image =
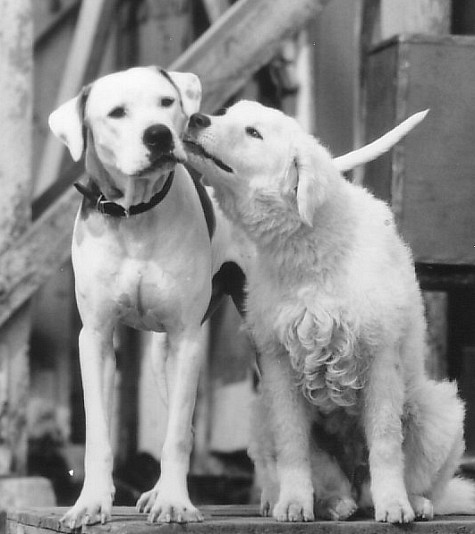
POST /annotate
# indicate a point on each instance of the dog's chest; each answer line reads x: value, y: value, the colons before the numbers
x: 145, y: 283
x: 143, y: 295
x: 267, y: 298
x: 134, y: 292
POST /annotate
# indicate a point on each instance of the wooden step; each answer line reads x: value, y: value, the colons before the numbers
x: 223, y: 520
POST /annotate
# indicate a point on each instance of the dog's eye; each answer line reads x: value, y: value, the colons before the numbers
x: 167, y: 102
x: 117, y: 113
x: 253, y: 132
x: 221, y: 111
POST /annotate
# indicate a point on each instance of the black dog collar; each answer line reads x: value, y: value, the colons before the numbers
x: 107, y: 207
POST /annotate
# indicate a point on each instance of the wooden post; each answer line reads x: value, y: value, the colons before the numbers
x: 16, y: 35
x: 381, y: 20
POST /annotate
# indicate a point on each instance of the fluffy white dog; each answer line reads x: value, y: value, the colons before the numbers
x: 337, y: 315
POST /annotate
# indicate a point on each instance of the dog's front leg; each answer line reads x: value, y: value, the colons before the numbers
x: 97, y: 370
x: 291, y: 425
x: 384, y: 400
x: 169, y: 501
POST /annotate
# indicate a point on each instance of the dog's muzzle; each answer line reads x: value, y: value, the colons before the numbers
x: 198, y: 120
x: 158, y: 139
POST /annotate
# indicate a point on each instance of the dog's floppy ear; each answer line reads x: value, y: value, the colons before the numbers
x: 189, y: 87
x: 67, y: 123
x: 313, y: 167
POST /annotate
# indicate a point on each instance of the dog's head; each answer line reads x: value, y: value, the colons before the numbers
x: 250, y: 152
x: 130, y: 122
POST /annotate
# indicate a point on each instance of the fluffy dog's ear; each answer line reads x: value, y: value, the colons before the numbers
x: 189, y: 86
x: 66, y: 123
x: 313, y: 168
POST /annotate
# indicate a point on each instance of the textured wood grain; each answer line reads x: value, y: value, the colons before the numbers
x: 244, y: 39
x: 429, y: 177
x: 225, y: 520
x: 16, y: 66
x: 36, y: 254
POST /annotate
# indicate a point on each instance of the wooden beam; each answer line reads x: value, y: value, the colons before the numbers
x: 37, y: 254
x: 47, y: 23
x: 16, y: 96
x: 86, y: 52
x: 215, y: 8
x: 244, y: 39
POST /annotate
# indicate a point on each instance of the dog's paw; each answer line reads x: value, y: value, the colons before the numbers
x: 336, y: 508
x: 423, y: 508
x: 93, y: 506
x: 163, y: 510
x: 146, y: 501
x: 393, y: 510
x: 294, y: 509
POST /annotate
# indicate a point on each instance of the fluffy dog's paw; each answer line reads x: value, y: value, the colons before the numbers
x: 423, y: 508
x: 92, y: 506
x: 146, y: 501
x: 336, y: 508
x: 294, y: 509
x: 163, y: 510
x: 393, y: 510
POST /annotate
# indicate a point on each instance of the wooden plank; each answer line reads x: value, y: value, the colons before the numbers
x: 16, y: 67
x: 90, y: 37
x: 225, y: 520
x: 37, y: 254
x: 242, y: 40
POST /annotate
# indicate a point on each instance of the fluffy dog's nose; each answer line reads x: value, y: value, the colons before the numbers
x: 198, y: 120
x: 158, y: 138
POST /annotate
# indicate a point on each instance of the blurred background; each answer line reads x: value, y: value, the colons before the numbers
x: 348, y: 71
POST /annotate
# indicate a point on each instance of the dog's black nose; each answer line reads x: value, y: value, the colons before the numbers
x: 158, y: 138
x: 198, y: 120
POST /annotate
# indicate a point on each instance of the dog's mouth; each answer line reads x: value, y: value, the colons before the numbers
x: 195, y: 148
x: 158, y: 163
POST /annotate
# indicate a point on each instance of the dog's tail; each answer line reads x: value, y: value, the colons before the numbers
x: 380, y: 146
x: 458, y: 498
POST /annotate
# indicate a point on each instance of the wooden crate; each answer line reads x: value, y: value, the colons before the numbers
x: 429, y: 178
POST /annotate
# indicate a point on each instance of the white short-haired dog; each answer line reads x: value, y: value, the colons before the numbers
x: 149, y: 250
x: 337, y: 316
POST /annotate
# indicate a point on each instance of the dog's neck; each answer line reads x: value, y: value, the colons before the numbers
x: 98, y: 201
x: 289, y: 246
x: 126, y: 191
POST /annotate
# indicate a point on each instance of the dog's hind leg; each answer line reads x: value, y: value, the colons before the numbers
x: 169, y: 501
x: 433, y: 448
x: 97, y: 369
x: 333, y: 494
